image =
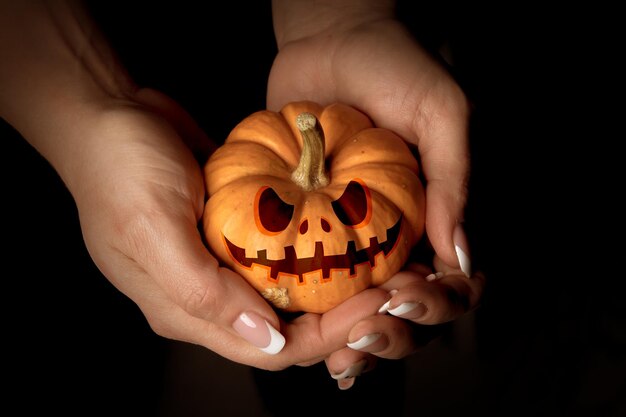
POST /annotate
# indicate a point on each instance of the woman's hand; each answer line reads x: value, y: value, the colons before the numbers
x: 355, y: 52
x: 422, y: 299
x: 360, y: 55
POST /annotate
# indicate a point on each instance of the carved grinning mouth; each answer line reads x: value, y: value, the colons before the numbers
x: 292, y: 265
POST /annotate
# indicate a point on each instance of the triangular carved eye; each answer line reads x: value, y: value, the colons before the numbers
x: 271, y: 214
x: 354, y: 207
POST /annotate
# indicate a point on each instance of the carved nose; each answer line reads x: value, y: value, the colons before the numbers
x: 325, y: 225
x: 304, y: 226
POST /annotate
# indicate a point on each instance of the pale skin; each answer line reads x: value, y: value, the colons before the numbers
x: 366, y: 58
x: 125, y: 154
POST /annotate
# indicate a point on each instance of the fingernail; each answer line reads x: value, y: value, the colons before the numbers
x: 409, y: 310
x: 259, y: 332
x: 433, y: 277
x: 354, y: 370
x: 462, y: 250
x: 365, y: 341
x: 374, y: 342
x: 345, y: 384
x: 383, y: 309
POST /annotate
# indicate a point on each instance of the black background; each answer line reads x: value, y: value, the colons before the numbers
x: 549, y: 338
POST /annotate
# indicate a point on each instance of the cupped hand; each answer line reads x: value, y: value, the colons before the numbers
x: 140, y: 196
x: 380, y: 69
x: 377, y: 66
x: 420, y: 301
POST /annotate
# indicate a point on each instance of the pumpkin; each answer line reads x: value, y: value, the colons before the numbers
x: 312, y: 204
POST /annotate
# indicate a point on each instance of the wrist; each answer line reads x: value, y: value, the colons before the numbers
x: 62, y: 124
x: 56, y: 75
x: 298, y: 19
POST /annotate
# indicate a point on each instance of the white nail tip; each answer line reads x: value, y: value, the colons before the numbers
x: 365, y: 341
x: 464, y: 261
x: 433, y: 277
x: 403, y: 309
x: 345, y: 384
x: 277, y: 341
x: 384, y: 308
x: 352, y: 371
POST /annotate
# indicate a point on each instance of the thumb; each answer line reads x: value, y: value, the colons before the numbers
x: 444, y: 224
x: 445, y: 159
x: 184, y: 269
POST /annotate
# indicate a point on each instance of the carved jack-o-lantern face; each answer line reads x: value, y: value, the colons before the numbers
x: 309, y: 247
x: 352, y: 210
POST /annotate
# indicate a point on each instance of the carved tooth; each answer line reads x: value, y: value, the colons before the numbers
x: 351, y: 248
x: 319, y: 250
x: 290, y: 253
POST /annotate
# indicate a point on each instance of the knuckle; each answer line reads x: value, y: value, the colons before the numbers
x: 203, y: 301
x: 136, y: 231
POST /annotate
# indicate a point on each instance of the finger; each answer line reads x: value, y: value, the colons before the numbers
x: 314, y: 335
x: 436, y: 119
x: 433, y: 302
x: 171, y: 321
x: 443, y: 268
x: 171, y: 252
x: 445, y: 162
x: 347, y: 364
x: 390, y: 337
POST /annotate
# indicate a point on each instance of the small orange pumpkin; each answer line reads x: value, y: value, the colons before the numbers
x: 312, y: 204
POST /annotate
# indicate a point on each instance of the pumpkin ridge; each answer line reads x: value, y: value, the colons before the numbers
x: 270, y: 130
x: 389, y: 147
x: 359, y: 167
x: 260, y: 179
x: 338, y: 113
x: 251, y: 142
x: 275, y: 165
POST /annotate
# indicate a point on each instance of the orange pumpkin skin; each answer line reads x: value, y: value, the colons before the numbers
x: 309, y: 250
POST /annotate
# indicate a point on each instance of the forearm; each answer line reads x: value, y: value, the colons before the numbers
x: 297, y: 19
x: 56, y: 73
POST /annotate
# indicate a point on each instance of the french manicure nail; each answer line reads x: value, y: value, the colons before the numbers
x: 409, y: 310
x: 462, y: 250
x: 346, y: 383
x: 365, y: 341
x: 384, y: 308
x: 259, y: 332
x: 435, y: 276
x: 352, y: 371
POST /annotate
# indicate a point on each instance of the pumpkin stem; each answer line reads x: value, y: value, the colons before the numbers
x: 310, y: 173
